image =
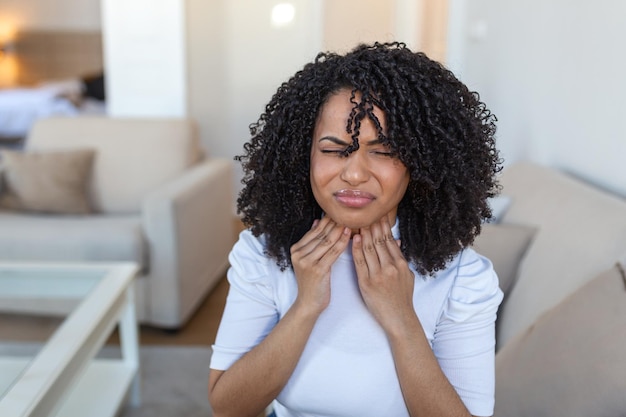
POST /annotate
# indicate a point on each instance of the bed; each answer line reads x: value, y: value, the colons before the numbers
x: 58, y: 74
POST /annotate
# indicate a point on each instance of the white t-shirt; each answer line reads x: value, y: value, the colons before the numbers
x: 347, y: 368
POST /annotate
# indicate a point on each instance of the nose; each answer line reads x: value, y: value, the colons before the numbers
x: 356, y: 168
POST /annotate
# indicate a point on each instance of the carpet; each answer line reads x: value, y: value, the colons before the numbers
x: 173, y: 379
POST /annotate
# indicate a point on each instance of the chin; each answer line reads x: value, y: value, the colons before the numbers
x: 351, y: 222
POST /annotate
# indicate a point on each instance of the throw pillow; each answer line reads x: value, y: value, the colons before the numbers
x: 505, y: 245
x: 571, y: 361
x: 47, y: 181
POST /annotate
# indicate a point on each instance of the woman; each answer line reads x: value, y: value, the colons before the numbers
x: 353, y: 292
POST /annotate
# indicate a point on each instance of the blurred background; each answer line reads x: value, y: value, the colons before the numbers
x: 550, y: 70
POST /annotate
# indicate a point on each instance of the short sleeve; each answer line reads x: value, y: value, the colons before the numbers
x: 464, y: 340
x: 250, y: 312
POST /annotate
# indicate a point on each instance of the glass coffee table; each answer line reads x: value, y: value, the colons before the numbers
x: 63, y: 376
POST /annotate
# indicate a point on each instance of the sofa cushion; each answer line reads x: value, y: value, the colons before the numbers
x: 572, y: 361
x: 134, y: 156
x: 505, y: 246
x: 26, y: 237
x: 47, y: 181
x: 581, y: 230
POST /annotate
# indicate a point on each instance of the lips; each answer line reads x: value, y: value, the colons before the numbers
x: 354, y: 198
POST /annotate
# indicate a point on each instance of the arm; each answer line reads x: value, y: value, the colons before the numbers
x: 263, y: 372
x: 250, y: 385
x: 387, y: 287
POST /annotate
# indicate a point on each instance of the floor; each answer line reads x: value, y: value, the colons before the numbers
x: 201, y: 328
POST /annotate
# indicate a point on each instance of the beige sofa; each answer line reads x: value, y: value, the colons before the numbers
x: 150, y: 196
x: 561, y: 330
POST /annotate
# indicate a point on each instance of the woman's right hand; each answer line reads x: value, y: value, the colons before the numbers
x: 312, y: 258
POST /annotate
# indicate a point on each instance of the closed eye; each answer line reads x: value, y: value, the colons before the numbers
x: 384, y: 151
x: 333, y: 151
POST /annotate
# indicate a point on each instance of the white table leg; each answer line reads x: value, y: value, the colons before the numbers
x: 129, y: 343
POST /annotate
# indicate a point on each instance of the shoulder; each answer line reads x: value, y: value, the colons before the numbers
x: 249, y: 245
x: 255, y: 275
x: 248, y: 258
x: 475, y: 286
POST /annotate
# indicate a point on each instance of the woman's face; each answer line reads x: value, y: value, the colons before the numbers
x: 361, y: 188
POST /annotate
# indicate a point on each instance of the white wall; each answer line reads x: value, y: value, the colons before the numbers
x: 350, y: 22
x: 553, y: 73
x: 207, y: 72
x: 145, y: 58
x: 259, y: 58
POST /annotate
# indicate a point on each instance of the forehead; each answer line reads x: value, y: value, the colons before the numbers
x: 342, y: 109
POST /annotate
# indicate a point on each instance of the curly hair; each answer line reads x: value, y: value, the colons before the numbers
x: 436, y: 127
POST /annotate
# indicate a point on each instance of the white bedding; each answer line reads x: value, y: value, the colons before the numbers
x: 20, y: 107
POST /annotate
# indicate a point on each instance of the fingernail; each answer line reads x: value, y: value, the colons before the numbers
x: 315, y: 222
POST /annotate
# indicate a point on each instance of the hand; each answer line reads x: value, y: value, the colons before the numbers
x: 385, y: 280
x: 312, y: 257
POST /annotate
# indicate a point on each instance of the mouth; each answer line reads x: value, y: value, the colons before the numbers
x: 354, y: 198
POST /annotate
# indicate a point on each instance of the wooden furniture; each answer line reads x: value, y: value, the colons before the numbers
x: 64, y: 378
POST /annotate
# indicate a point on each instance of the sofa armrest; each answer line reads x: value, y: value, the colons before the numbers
x: 189, y: 225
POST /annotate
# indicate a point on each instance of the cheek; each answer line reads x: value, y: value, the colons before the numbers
x: 399, y: 181
x: 320, y: 172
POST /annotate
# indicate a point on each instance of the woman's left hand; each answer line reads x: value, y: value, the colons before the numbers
x: 385, y: 280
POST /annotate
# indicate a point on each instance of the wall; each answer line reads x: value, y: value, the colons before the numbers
x: 259, y: 58
x: 145, y: 58
x: 553, y: 73
x: 207, y: 72
x: 347, y: 23
x: 38, y: 14
x: 51, y: 14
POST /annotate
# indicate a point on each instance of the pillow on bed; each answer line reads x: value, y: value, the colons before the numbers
x: 49, y: 181
x: 505, y: 245
x: 70, y: 89
x: 571, y: 361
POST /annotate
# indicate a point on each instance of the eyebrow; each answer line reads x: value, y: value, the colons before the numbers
x: 338, y: 141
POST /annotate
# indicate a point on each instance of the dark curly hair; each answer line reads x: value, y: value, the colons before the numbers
x: 438, y: 129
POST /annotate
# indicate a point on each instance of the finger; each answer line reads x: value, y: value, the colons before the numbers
x: 323, y: 242
x: 360, y: 264
x: 318, y: 230
x: 369, y: 251
x: 330, y: 255
x: 393, y: 245
x: 381, y: 237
